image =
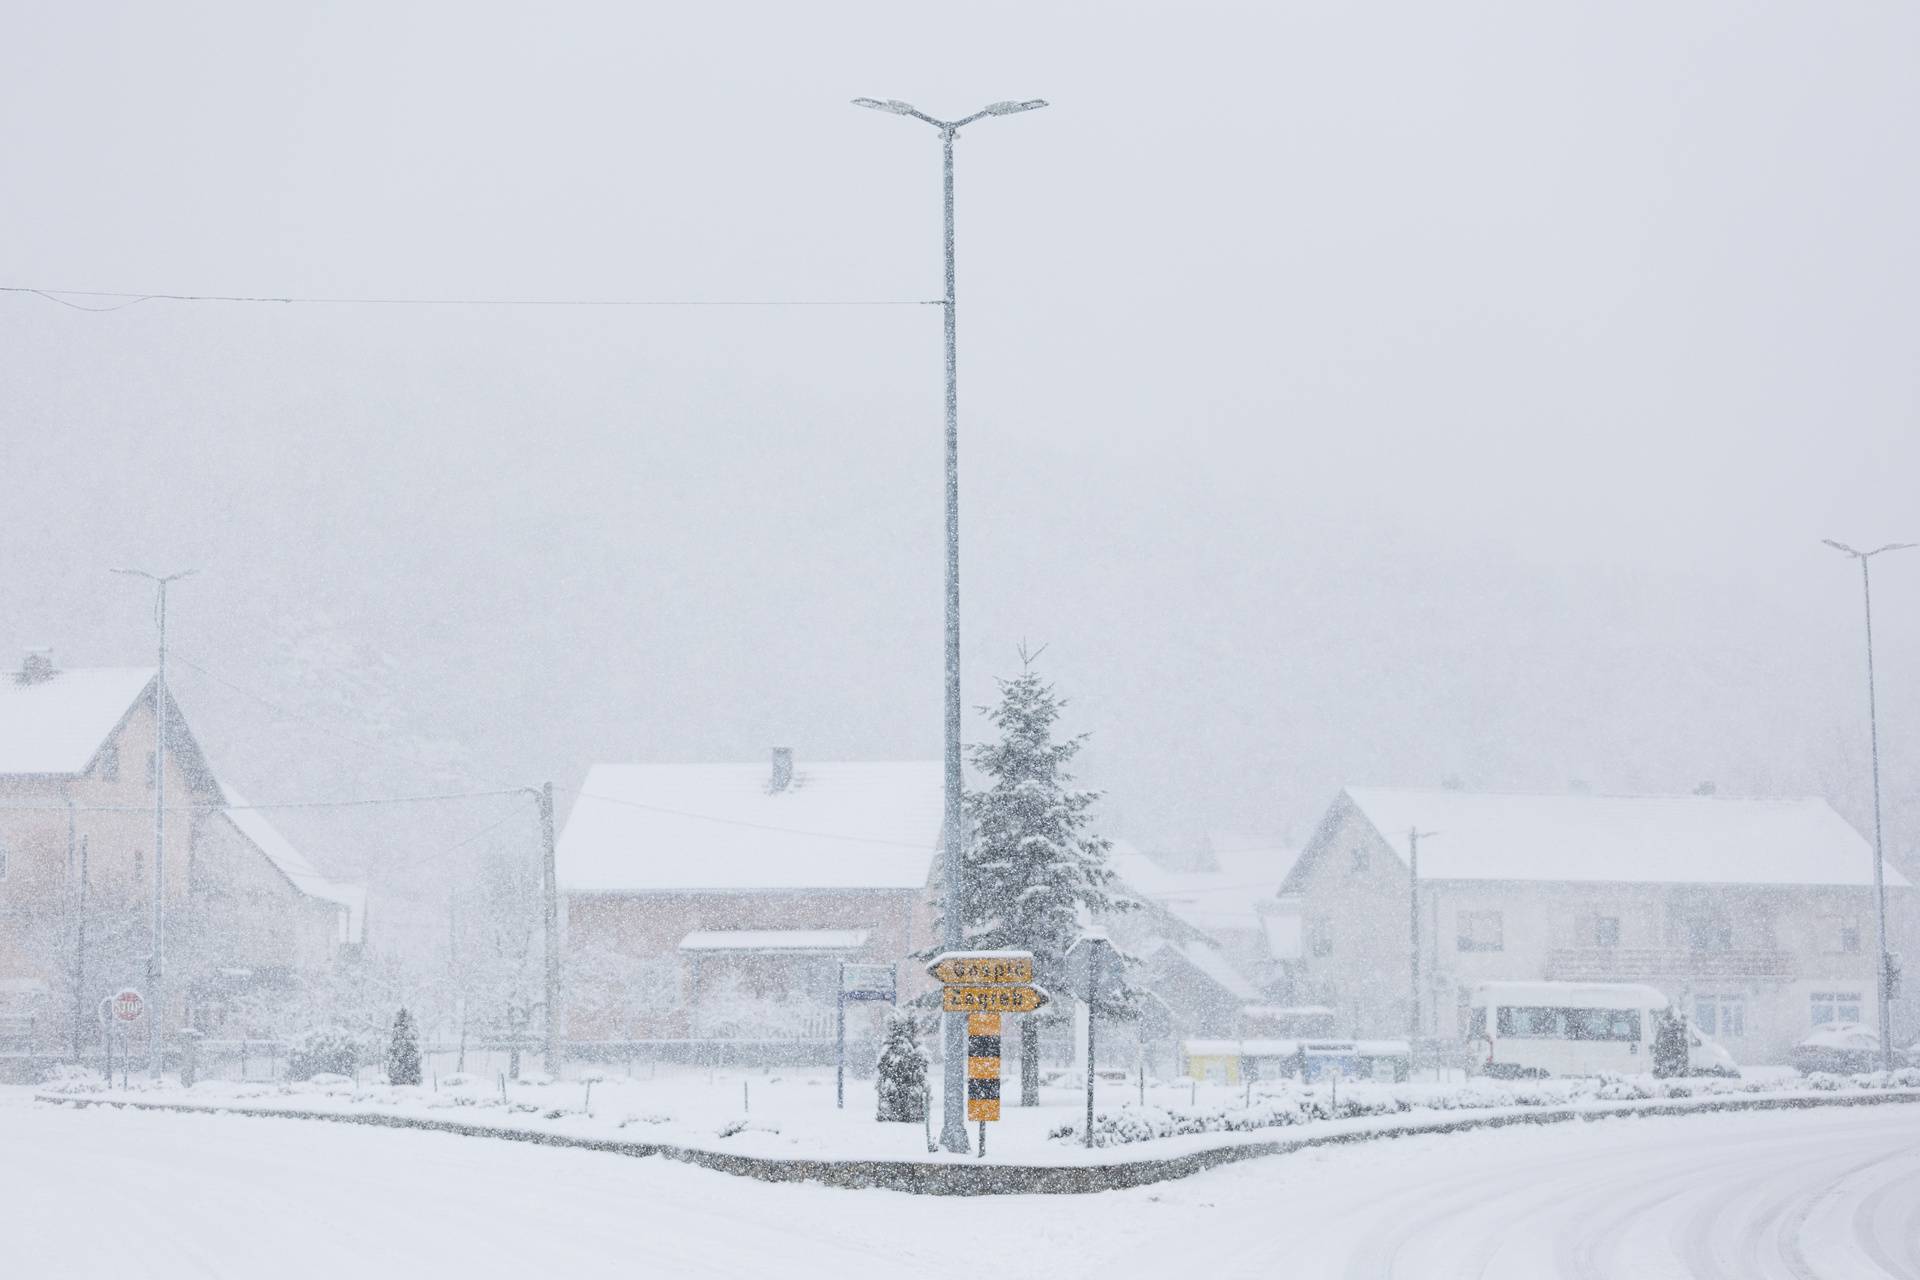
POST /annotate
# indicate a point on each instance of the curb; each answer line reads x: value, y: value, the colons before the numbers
x: 974, y: 1179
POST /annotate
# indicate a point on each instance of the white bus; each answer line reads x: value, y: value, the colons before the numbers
x: 1534, y: 1029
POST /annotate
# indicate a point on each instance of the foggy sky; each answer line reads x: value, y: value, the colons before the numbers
x: 1346, y: 396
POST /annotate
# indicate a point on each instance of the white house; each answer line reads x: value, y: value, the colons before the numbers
x: 1756, y: 916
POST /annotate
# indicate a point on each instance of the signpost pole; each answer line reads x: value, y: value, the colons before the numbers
x: 840, y: 1039
x: 1093, y: 988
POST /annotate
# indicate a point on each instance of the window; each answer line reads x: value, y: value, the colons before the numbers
x: 1480, y: 931
x: 153, y: 769
x: 110, y: 762
x: 1320, y: 936
x: 1569, y: 1024
x: 1724, y: 1017
x: 1606, y: 931
x: 1835, y: 1006
x: 1709, y: 933
x: 1359, y: 860
x: 3, y: 859
x: 1840, y: 935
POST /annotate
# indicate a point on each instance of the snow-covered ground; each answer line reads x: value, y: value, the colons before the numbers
x: 106, y: 1193
x: 791, y: 1114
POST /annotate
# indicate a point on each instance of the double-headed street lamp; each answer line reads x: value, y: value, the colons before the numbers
x: 1879, y: 854
x: 156, y: 961
x: 953, y: 1122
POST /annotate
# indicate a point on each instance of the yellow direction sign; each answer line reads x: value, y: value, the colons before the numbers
x: 991, y: 999
x: 983, y: 970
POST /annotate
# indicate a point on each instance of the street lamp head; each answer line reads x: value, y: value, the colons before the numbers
x: 1894, y: 546
x: 1013, y: 108
x: 1841, y: 547
x: 892, y: 105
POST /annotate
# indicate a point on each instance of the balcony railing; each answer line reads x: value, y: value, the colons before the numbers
x: 1628, y: 964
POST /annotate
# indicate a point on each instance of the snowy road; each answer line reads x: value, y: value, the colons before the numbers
x: 1832, y: 1193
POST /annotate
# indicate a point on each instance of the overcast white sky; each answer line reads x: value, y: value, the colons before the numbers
x: 1347, y: 394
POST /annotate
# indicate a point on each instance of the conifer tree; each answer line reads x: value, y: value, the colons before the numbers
x: 1035, y: 870
x: 403, y: 1051
x: 901, y: 1087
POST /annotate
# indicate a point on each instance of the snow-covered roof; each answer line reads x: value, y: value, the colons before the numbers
x: 664, y: 828
x: 253, y: 824
x: 774, y: 940
x: 1208, y: 959
x: 57, y: 725
x: 1226, y: 898
x: 1623, y: 839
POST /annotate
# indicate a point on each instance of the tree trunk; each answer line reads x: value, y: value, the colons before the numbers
x: 1029, y: 1062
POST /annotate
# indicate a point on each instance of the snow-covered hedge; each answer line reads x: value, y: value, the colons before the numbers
x: 1295, y: 1104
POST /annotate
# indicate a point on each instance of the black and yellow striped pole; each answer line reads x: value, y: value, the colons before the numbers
x: 983, y: 1071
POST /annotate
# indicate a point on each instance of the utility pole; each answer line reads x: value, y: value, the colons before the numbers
x: 80, y: 959
x: 156, y: 960
x: 1414, y: 835
x: 953, y: 1120
x: 1885, y: 966
x: 551, y: 886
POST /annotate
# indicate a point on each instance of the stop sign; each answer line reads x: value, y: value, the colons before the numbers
x: 128, y: 1006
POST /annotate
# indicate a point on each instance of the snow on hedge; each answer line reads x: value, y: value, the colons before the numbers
x: 1295, y: 1104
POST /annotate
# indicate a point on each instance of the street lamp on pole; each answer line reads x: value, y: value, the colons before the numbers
x: 1879, y: 853
x: 156, y: 961
x: 953, y: 1122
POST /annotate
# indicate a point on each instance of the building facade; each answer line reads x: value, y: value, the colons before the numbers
x: 717, y: 902
x: 77, y: 842
x: 1755, y: 916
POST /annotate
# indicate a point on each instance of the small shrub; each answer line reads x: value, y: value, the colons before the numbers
x: 323, y: 1051
x: 403, y: 1051
x: 901, y: 1090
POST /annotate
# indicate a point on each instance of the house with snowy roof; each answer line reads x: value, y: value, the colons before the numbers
x: 77, y: 779
x: 1225, y: 899
x: 1755, y: 916
x: 729, y: 895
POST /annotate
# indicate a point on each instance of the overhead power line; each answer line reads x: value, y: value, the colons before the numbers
x: 349, y: 802
x: 128, y: 298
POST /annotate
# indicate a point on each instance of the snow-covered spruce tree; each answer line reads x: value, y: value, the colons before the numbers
x: 901, y: 1087
x: 1669, y: 1044
x: 1034, y: 867
x: 403, y: 1051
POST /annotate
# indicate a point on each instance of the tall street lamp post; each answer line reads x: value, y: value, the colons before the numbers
x: 1879, y: 853
x: 953, y: 1122
x: 156, y: 960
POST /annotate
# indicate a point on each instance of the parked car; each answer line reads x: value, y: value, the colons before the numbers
x: 1841, y: 1048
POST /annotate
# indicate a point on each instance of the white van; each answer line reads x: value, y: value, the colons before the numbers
x: 1533, y: 1029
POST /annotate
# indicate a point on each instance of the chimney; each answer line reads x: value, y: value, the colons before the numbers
x: 36, y: 665
x: 782, y: 769
x: 1706, y: 788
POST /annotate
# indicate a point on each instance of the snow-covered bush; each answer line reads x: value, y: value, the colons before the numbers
x: 1291, y: 1103
x: 403, y: 1050
x: 901, y: 1090
x: 324, y: 1050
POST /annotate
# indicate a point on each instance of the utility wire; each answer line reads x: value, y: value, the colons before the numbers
x: 130, y: 298
x: 314, y: 724
x: 453, y: 848
x: 345, y: 803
